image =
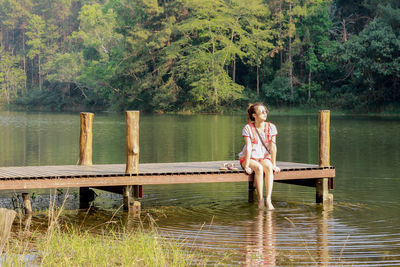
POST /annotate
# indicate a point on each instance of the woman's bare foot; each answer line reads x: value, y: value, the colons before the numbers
x: 261, y: 204
x: 270, y: 206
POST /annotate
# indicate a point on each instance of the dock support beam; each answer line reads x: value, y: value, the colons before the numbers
x: 132, y: 161
x: 252, y: 188
x: 322, y: 185
x: 27, y: 203
x: 86, y: 195
x: 130, y: 204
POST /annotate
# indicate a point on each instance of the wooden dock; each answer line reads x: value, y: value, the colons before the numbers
x: 128, y: 179
x: 69, y: 176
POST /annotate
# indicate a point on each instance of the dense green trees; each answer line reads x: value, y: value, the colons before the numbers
x: 191, y: 55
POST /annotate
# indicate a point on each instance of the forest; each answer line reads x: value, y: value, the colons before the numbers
x: 200, y: 55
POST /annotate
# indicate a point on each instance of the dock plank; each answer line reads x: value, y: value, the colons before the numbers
x: 33, y: 177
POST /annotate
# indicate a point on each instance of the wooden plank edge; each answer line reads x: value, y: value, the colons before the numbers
x: 155, y: 179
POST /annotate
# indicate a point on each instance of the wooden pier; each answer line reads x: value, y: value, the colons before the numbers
x: 128, y: 179
x: 68, y: 176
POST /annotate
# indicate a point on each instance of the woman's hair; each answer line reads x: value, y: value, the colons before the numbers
x: 251, y: 109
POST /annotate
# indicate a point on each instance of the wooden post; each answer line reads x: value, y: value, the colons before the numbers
x: 251, y: 188
x: 132, y: 160
x: 86, y: 195
x: 132, y: 142
x: 130, y: 204
x: 127, y: 196
x: 27, y: 203
x: 6, y: 219
x: 322, y: 186
x: 85, y: 140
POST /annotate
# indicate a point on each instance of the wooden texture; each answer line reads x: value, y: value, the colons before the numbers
x: 86, y: 139
x: 289, y: 169
x: 252, y: 188
x: 132, y: 142
x: 6, y: 219
x: 86, y: 197
x: 322, y: 185
x: 16, y: 178
x: 324, y: 138
x: 27, y: 203
x: 127, y: 196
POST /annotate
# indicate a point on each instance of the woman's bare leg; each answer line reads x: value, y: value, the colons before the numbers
x: 258, y: 181
x: 269, y: 182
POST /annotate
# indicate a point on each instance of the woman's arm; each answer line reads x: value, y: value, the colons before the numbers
x: 246, y: 164
x: 274, y: 151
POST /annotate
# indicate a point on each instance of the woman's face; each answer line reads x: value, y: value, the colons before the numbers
x: 261, y: 113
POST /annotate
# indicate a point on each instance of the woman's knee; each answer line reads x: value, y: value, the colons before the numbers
x: 267, y: 166
x: 258, y: 168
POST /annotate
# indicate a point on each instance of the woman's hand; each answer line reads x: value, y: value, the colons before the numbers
x: 276, y: 169
x: 248, y: 170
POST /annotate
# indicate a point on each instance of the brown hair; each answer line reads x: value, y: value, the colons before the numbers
x: 251, y: 109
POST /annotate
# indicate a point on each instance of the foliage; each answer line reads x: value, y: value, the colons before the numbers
x: 208, y: 55
x: 12, y: 78
x: 373, y: 58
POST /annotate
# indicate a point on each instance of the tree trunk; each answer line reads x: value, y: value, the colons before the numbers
x: 213, y: 71
x: 280, y: 34
x: 23, y: 48
x: 309, y: 85
x: 344, y: 36
x: 258, y: 81
x: 234, y: 70
x: 32, y: 65
x: 290, y: 54
x: 40, y: 78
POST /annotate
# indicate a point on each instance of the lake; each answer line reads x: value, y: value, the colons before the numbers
x: 363, y: 228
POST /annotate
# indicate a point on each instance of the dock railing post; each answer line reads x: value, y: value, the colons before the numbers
x: 86, y: 195
x: 132, y: 159
x: 86, y: 139
x: 322, y: 187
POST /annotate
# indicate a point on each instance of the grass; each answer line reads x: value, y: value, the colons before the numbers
x: 110, y: 245
x: 72, y: 247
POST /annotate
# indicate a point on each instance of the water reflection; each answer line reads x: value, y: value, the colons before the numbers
x: 261, y: 247
x: 322, y: 235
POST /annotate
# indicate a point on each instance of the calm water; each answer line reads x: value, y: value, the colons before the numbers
x: 362, y: 229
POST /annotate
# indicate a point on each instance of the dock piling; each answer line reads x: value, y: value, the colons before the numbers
x: 86, y: 195
x: 132, y: 161
x: 27, y: 203
x: 6, y: 219
x: 86, y: 139
x: 322, y: 185
x: 251, y: 188
x: 132, y: 142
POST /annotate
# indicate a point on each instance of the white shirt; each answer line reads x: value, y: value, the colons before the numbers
x: 258, y: 150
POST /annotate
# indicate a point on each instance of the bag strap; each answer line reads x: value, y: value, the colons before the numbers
x: 262, y: 141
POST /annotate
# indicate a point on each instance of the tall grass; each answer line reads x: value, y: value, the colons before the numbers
x: 75, y: 248
x: 69, y: 245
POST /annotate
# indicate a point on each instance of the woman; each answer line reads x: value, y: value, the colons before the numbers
x: 259, y: 155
